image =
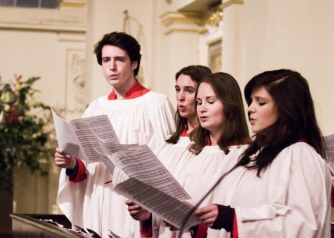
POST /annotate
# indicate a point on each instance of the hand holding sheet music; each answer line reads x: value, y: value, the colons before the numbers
x: 139, y: 175
x: 167, y: 207
x: 83, y: 137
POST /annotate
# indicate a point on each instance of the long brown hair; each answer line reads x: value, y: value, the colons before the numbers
x: 234, y: 129
x: 196, y: 73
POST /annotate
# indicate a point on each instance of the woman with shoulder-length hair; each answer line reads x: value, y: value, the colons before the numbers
x: 234, y: 130
x: 187, y: 80
x: 174, y: 152
x: 281, y: 184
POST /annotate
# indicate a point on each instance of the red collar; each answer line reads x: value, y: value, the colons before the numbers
x: 136, y: 91
x: 184, y: 132
x: 185, y: 129
x: 303, y: 140
x: 208, y: 143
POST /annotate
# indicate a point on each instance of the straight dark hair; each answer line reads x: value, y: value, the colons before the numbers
x: 123, y: 41
x: 296, y: 119
x: 234, y: 129
x: 196, y: 73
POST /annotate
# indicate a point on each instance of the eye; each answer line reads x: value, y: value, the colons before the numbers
x: 105, y: 60
x: 190, y: 91
x: 177, y: 89
x: 211, y: 102
x: 262, y: 103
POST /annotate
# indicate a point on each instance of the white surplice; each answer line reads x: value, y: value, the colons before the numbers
x: 290, y: 199
x: 195, y: 173
x: 148, y: 119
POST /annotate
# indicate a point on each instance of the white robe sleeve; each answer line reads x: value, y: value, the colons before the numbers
x: 161, y: 114
x: 92, y: 204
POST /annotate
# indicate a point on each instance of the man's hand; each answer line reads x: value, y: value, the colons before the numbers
x: 64, y: 160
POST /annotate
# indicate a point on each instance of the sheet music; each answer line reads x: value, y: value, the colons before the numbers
x: 137, y: 173
x: 329, y: 151
x: 82, y: 137
x: 167, y: 207
x: 141, y: 163
x: 110, y: 148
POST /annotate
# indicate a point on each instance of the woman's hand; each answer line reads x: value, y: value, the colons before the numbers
x: 137, y: 212
x: 207, y: 215
x: 171, y: 227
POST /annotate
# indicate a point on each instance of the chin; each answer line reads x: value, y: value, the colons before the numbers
x: 185, y: 115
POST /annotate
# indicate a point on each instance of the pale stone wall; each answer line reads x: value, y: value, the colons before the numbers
x: 298, y: 35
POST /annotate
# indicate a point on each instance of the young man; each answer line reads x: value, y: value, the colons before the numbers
x: 138, y: 115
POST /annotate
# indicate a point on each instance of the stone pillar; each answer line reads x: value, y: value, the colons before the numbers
x: 181, y: 31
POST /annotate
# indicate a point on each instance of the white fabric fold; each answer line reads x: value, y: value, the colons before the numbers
x: 291, y: 198
x: 195, y: 173
x: 148, y: 119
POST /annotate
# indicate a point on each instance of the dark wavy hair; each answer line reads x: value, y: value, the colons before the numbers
x: 234, y: 129
x: 123, y: 41
x: 296, y: 119
x: 196, y: 73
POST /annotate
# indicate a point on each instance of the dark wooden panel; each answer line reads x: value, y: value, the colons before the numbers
x: 29, y: 225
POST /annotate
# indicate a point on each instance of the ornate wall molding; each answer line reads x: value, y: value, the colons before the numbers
x: 230, y: 2
x: 75, y: 83
x: 181, y: 21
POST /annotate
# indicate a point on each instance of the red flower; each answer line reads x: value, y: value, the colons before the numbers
x: 12, y: 117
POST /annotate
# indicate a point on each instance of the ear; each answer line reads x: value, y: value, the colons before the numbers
x: 134, y: 65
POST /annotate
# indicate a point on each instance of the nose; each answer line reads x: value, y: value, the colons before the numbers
x: 113, y: 65
x: 201, y: 108
x: 180, y: 96
x: 251, y: 107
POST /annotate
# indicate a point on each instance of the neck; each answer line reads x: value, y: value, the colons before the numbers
x: 192, y: 123
x: 214, y: 138
x: 121, y: 91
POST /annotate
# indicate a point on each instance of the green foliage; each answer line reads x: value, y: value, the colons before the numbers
x: 23, y: 135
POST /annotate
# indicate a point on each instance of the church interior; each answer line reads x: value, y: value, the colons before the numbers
x: 241, y: 37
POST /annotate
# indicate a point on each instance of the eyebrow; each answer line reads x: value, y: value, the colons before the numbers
x: 186, y: 87
x: 191, y: 87
x: 115, y: 57
x: 260, y: 98
x: 208, y: 97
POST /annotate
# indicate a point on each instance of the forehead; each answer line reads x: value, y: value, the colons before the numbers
x: 113, y: 51
x: 261, y: 92
x: 185, y: 80
x: 205, y: 90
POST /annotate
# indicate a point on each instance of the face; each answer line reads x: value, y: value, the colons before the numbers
x: 185, y: 95
x: 210, y: 109
x: 117, y: 67
x: 262, y: 110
